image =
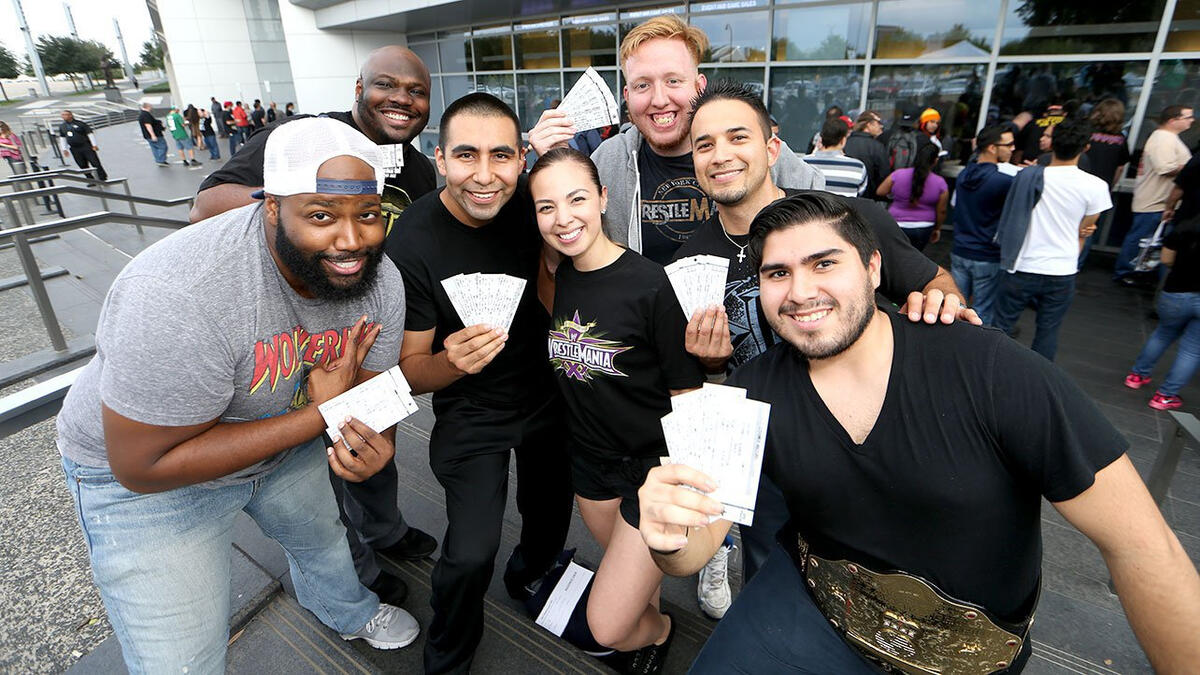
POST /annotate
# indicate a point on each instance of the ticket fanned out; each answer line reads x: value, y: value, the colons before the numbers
x: 379, y: 403
x: 721, y: 433
x: 490, y: 299
x: 590, y: 103
x: 699, y: 282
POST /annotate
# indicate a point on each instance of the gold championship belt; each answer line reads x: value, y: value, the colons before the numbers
x: 902, y: 622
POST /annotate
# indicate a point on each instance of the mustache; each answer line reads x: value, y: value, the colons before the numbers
x: 793, y: 308
x: 344, y: 257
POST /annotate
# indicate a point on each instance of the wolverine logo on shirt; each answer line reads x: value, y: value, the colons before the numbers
x: 284, y: 354
x: 579, y: 355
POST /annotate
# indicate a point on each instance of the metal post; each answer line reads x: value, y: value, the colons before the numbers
x: 30, y: 49
x: 1165, y: 464
x: 38, y: 287
x: 132, y: 206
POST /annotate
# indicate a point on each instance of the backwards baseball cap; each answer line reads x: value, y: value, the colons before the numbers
x: 296, y: 150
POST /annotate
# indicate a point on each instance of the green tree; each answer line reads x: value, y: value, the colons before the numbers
x: 151, y: 57
x: 9, y: 67
x: 71, y: 56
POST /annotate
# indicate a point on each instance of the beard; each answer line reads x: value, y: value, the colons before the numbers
x: 316, y: 279
x: 858, y: 316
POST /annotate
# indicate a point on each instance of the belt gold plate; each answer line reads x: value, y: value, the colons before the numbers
x: 905, y: 623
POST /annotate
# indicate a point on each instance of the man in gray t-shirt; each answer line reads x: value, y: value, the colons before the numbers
x: 213, y: 349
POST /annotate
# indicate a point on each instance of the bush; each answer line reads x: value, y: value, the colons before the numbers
x: 160, y: 88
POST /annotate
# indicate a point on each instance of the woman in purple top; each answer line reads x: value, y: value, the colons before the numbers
x: 919, y: 198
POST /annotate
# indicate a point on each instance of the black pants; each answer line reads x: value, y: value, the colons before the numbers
x: 469, y: 454
x: 372, y: 517
x: 86, y: 157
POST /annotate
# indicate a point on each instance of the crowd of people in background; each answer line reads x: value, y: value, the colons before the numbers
x: 195, y: 128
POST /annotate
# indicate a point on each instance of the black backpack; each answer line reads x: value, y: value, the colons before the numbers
x: 902, y: 148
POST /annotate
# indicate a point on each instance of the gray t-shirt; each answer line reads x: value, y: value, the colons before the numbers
x: 203, y: 325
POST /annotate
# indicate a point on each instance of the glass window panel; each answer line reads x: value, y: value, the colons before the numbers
x: 751, y: 77
x: 537, y: 93
x: 733, y: 38
x: 958, y: 29
x: 800, y: 96
x: 455, y: 51
x: 585, y: 46
x: 500, y: 86
x: 493, y: 52
x: 1184, y: 34
x: 827, y: 32
x: 538, y: 49
x: 429, y: 140
x: 1031, y: 86
x: 436, y: 105
x: 454, y: 87
x: 429, y: 55
x: 630, y: 19
x: 1177, y: 82
x: 1045, y: 27
x: 955, y: 91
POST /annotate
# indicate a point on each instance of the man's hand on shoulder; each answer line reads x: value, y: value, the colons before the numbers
x: 935, y: 305
x: 553, y: 130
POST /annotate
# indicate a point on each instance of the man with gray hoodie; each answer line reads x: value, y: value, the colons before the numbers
x: 654, y: 201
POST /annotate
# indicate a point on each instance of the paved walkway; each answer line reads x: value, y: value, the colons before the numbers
x: 51, y: 614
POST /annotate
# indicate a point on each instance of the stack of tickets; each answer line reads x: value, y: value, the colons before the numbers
x: 699, y: 282
x: 489, y: 299
x: 379, y: 403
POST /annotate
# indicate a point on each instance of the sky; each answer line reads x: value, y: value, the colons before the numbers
x: 93, y: 21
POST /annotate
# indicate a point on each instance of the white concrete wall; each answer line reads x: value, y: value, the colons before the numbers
x: 325, y: 63
x: 210, y: 49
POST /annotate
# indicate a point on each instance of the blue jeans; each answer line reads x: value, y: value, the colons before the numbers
x: 774, y: 627
x: 1143, y: 226
x: 918, y: 236
x: 161, y: 561
x: 236, y: 138
x: 1178, y: 319
x: 1050, y: 297
x: 977, y: 280
x: 159, y: 148
x: 210, y: 142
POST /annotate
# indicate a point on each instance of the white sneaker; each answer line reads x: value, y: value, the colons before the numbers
x: 713, y: 590
x: 390, y: 628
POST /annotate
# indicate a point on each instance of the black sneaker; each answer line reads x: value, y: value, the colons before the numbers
x: 162, y: 164
x: 195, y: 162
x: 414, y: 545
x: 390, y: 588
x: 651, y: 659
x: 519, y: 581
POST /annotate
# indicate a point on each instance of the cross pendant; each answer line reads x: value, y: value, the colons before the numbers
x: 742, y: 255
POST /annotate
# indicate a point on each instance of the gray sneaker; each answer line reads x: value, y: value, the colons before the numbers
x: 390, y: 628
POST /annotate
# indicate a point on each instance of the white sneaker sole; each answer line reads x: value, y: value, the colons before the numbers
x: 384, y: 645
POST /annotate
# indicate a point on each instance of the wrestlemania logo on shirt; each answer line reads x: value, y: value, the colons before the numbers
x: 580, y: 355
x: 677, y: 207
x: 283, y: 355
x: 392, y: 203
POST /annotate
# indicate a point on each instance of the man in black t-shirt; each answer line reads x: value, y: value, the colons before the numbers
x: 391, y: 108
x: 912, y: 450
x: 152, y: 131
x: 733, y: 150
x: 78, y: 141
x: 1183, y: 202
x: 493, y: 389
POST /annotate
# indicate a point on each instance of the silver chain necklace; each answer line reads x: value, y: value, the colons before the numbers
x: 740, y: 247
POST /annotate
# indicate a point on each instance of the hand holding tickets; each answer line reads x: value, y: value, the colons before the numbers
x: 489, y: 299
x: 378, y: 403
x: 590, y: 103
x: 699, y: 282
x: 718, y: 431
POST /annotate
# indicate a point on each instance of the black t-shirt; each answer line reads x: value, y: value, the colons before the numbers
x: 245, y: 167
x: 974, y: 431
x: 616, y: 345
x: 1184, y: 276
x: 257, y: 116
x: 206, y: 127
x: 1105, y: 154
x: 904, y: 270
x: 428, y: 244
x: 673, y: 204
x: 145, y: 118
x: 1029, y: 136
x: 227, y: 118
x: 76, y: 133
x: 1188, y: 180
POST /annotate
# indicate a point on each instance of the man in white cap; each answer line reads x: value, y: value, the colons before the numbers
x: 214, y: 348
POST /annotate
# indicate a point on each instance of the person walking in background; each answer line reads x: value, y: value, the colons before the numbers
x: 152, y: 131
x: 258, y: 116
x: 78, y: 141
x: 1162, y: 158
x: 981, y: 191
x: 845, y: 176
x: 209, y: 134
x: 1108, y: 152
x: 241, y: 119
x: 229, y: 122
x: 216, y: 115
x: 919, y: 198
x: 863, y: 145
x: 10, y: 149
x: 1178, y: 318
x: 192, y: 116
x: 183, y: 138
x: 272, y: 113
x: 289, y: 110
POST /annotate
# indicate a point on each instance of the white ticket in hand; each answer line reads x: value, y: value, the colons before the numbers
x: 379, y: 403
x: 590, y: 103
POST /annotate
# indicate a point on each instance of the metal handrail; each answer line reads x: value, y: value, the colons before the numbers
x: 20, y: 238
x: 35, y: 175
x: 76, y: 177
x: 71, y: 189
